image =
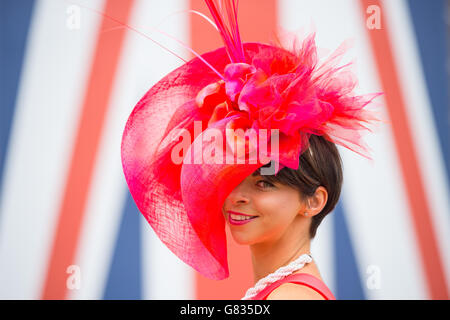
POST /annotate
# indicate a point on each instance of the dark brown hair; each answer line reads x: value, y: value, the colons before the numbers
x: 320, y: 165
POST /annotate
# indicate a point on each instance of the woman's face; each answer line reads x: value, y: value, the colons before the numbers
x: 273, y: 207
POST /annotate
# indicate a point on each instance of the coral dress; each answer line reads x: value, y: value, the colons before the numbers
x: 299, y: 278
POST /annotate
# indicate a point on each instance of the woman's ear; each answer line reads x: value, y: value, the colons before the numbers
x: 316, y: 202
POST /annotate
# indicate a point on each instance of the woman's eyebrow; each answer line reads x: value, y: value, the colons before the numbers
x: 256, y: 173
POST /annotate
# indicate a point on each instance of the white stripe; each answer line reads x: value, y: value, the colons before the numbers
x: 142, y: 63
x: 322, y: 251
x: 107, y: 195
x: 417, y: 101
x: 376, y: 205
x: 380, y: 217
x: 51, y: 89
x: 164, y: 275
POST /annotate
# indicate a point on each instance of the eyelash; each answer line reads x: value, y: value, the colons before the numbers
x: 266, y: 182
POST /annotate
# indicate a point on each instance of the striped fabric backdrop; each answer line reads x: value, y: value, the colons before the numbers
x: 70, y: 76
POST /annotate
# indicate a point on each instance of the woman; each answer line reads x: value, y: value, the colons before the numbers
x: 282, y: 213
x: 185, y: 181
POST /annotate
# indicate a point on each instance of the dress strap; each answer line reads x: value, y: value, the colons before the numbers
x: 302, y: 279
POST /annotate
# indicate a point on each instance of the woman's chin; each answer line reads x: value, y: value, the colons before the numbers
x: 242, y: 238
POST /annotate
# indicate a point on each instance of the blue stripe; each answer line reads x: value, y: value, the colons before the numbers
x: 348, y: 282
x: 15, y: 20
x: 428, y: 19
x: 124, y: 280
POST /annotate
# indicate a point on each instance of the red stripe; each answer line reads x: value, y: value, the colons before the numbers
x: 420, y: 209
x: 257, y: 23
x: 94, y: 110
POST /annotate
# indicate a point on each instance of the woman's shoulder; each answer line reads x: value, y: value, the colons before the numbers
x: 294, y: 291
x: 301, y: 286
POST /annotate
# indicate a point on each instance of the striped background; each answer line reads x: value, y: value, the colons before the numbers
x: 65, y: 95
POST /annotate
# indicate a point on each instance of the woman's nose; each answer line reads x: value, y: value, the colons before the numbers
x: 238, y: 195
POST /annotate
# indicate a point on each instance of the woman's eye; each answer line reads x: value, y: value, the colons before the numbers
x: 264, y: 184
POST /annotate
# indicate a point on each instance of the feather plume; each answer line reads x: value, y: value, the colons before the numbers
x: 224, y: 13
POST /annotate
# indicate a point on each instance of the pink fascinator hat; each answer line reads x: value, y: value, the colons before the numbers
x: 204, y: 127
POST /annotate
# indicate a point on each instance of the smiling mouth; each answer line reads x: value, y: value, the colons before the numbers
x: 239, y: 217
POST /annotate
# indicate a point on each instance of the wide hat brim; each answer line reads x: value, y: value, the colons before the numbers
x: 291, y: 92
x: 183, y: 202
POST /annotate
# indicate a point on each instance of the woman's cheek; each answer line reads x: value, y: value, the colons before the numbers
x: 267, y: 205
x: 265, y: 229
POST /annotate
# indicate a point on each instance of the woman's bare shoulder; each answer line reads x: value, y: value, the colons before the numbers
x: 293, y: 291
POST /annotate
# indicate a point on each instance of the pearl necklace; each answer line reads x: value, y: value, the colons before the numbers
x: 277, y: 275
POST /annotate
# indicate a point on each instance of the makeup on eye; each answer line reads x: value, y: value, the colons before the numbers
x: 267, y: 184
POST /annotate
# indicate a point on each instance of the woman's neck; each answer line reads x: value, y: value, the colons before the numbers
x: 269, y: 256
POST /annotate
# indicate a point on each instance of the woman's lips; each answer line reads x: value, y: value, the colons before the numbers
x: 236, y: 218
x: 241, y: 214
